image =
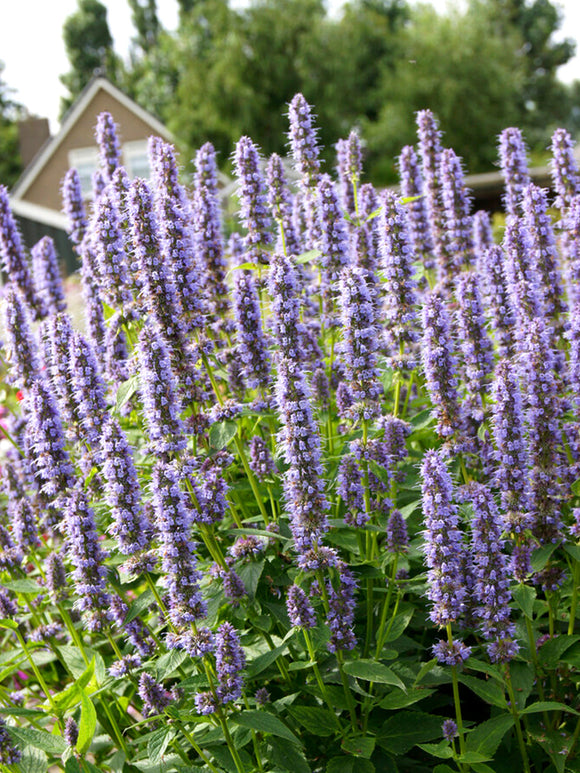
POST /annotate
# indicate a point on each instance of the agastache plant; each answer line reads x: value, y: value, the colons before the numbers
x: 565, y: 173
x: 254, y: 214
x: 412, y: 188
x: 47, y: 278
x: 514, y: 168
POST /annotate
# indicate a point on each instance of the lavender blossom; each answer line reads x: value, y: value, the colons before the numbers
x: 9, y: 753
x: 47, y: 453
x: 71, y: 732
x: 20, y: 343
x: 364, y: 240
x: 254, y: 214
x: 230, y: 661
x: 55, y: 574
x: 260, y: 461
x: 117, y: 363
x: 95, y: 315
x: 74, y: 207
x: 303, y: 140
x: 300, y: 610
x: 482, y: 235
x: 88, y: 388
x: 514, y: 167
x: 334, y: 242
x: 443, y: 542
x: 492, y: 577
x: 397, y: 535
x: 451, y: 653
x: 252, y: 344
x: 14, y: 260
x: 20, y: 511
x: 211, y: 495
x: 440, y: 364
x: 179, y: 564
x: 359, y: 343
x: 565, y: 173
x: 449, y: 730
x: 175, y: 232
x: 400, y: 289
x: 512, y: 453
x: 106, y: 134
x: 57, y: 333
x: 129, y: 526
x: 133, y: 630
x: 108, y: 244
x: 342, y: 607
x: 457, y: 217
x: 350, y: 489
x: 154, y: 696
x: 497, y: 301
x: 47, y: 278
x: 349, y: 167
x: 571, y: 245
x: 281, y: 206
x: 475, y: 344
x: 161, y: 405
x: 87, y: 557
x: 522, y: 277
x: 418, y: 222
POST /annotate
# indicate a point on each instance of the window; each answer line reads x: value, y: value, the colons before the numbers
x: 137, y: 159
x: 86, y: 162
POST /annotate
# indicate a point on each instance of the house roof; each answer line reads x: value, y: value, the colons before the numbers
x: 52, y: 146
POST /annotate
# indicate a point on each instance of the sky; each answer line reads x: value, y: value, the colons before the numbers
x: 32, y: 50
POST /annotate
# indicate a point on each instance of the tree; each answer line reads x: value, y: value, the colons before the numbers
x: 146, y: 22
x: 89, y: 47
x: 10, y: 113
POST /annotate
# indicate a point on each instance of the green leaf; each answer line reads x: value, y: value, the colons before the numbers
x: 222, y: 433
x: 523, y: 678
x: 87, y: 725
x: 158, y: 742
x: 473, y: 757
x: 168, y: 663
x: 18, y: 711
x: 424, y: 670
x: 422, y: 419
x: 9, y: 624
x: 145, y: 600
x: 250, y: 574
x: 443, y: 769
x: 75, y: 663
x: 264, y: 722
x: 244, y: 267
x: 524, y: 596
x: 440, y: 750
x: 33, y: 761
x: 490, y: 691
x: 374, y: 214
x: 400, y: 623
x: 551, y: 651
x: 350, y: 765
x: 126, y: 391
x: 264, y: 660
x: 306, y: 257
x: 405, y: 729
x: 316, y: 720
x: 487, y: 737
x: 371, y: 671
x: 398, y: 700
x: 410, y: 199
x: 362, y: 746
x: 22, y: 586
x: 287, y: 755
x: 541, y: 556
x: 40, y: 739
x: 534, y: 708
x: 573, y: 550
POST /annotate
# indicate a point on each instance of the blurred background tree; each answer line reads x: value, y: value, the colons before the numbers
x: 10, y: 113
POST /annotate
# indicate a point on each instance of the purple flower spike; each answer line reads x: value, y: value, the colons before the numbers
x: 342, y: 607
x: 254, y: 214
x: 158, y: 390
x: 55, y: 576
x: 173, y: 521
x: 565, y: 173
x: 512, y: 452
x: 334, y: 243
x: 482, y: 234
x: 9, y: 753
x: 154, y: 696
x: 48, y: 457
x: 14, y: 260
x: 260, y: 461
x: 74, y: 206
x: 412, y: 186
x: 230, y: 661
x: 400, y: 289
x: 449, y: 730
x: 303, y: 141
x: 350, y: 489
x: 544, y: 415
x: 175, y: 233
x: 524, y: 284
x: 397, y: 536
x: 21, y: 346
x: 252, y: 344
x: 440, y: 364
x: 87, y: 557
x: 364, y: 247
x: 110, y: 252
x: 47, y: 278
x: 443, y: 542
x: 106, y: 134
x: 457, y: 215
x: 349, y: 167
x: 91, y: 295
x: 497, y: 301
x: 514, y: 167
x: 57, y: 333
x: 88, y: 388
x: 71, y: 732
x: 300, y: 610
x: 281, y: 206
x: 476, y: 346
x: 490, y: 567
x: 130, y: 527
x: 571, y: 247
x: 20, y: 511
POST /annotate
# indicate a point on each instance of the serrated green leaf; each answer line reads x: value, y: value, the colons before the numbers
x: 316, y: 720
x: 400, y: 700
x: 371, y: 671
x: 541, y: 556
x: 307, y: 257
x: 168, y: 663
x: 524, y: 596
x: 350, y: 765
x: 158, y: 743
x: 19, y: 711
x: 424, y: 670
x: 22, y: 586
x: 362, y: 746
x: 400, y: 623
x: 33, y: 761
x: 145, y: 600
x: 9, y: 624
x: 40, y: 739
x: 489, y: 691
x: 126, y: 391
x: 542, y: 706
x: 222, y: 433
x: 87, y: 725
x: 250, y: 574
x: 410, y: 199
x: 406, y: 728
x: 287, y: 755
x: 486, y: 738
x: 551, y: 651
x: 264, y: 722
x: 440, y: 750
x: 264, y: 660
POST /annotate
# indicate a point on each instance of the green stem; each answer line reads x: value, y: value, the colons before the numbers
x: 516, y: 716
x: 382, y: 633
x: 194, y: 745
x: 574, y: 603
x: 37, y: 674
x: 456, y: 700
x: 347, y: 691
x: 230, y: 742
x: 317, y: 674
